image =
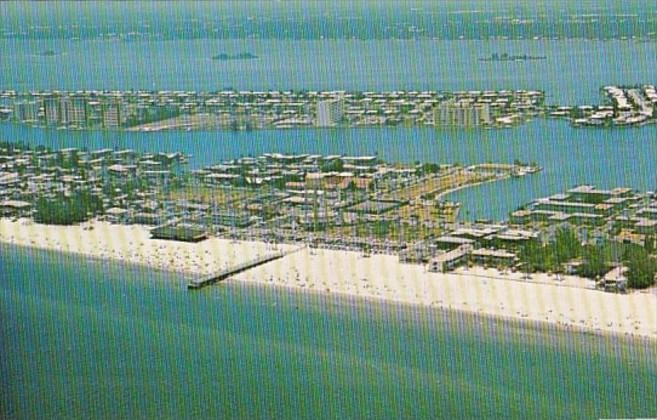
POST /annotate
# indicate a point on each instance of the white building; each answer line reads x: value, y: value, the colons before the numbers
x: 112, y: 117
x: 65, y: 111
x: 458, y: 114
x: 51, y: 110
x: 329, y: 112
x: 73, y: 111
x: 449, y: 260
x: 26, y: 111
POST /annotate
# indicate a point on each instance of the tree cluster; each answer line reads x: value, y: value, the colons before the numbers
x: 641, y: 268
x: 596, y: 260
x: 62, y: 210
x: 335, y: 165
x: 551, y: 257
x: 428, y: 168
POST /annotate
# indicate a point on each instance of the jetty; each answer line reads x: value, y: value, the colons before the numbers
x: 230, y: 271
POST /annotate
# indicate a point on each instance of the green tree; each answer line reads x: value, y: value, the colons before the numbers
x: 535, y: 257
x: 74, y: 159
x: 566, y: 244
x: 641, y: 268
x: 67, y: 210
x: 430, y: 168
x: 594, y: 264
x: 335, y: 165
x: 59, y: 159
x: 649, y: 244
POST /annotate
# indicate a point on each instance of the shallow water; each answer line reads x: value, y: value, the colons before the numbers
x: 98, y: 339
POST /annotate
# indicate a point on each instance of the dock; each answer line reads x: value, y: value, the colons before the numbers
x: 230, y: 271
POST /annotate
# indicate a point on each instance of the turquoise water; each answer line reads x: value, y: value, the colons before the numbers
x: 91, y: 339
x: 98, y: 340
x: 342, y: 19
x: 573, y: 73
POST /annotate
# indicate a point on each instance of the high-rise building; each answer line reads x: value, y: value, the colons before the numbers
x: 65, y: 111
x: 112, y: 117
x: 51, y: 110
x: 26, y: 111
x: 458, y: 114
x: 329, y: 112
x: 74, y: 111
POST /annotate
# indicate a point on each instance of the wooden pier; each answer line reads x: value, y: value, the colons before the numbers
x: 230, y: 271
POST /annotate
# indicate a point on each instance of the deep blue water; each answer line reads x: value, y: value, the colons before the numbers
x: 85, y: 339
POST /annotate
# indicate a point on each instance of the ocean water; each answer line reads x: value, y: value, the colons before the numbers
x: 341, y: 19
x: 572, y: 74
x: 91, y: 339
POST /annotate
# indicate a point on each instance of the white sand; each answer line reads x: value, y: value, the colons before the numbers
x: 133, y: 244
x: 570, y: 302
x: 567, y: 303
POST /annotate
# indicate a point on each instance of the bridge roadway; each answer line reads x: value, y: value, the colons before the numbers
x: 230, y: 271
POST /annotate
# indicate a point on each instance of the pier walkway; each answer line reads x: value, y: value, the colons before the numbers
x: 230, y: 271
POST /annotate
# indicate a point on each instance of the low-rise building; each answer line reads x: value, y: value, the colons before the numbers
x: 449, y: 260
x: 493, y: 257
x: 15, y: 208
x: 181, y: 232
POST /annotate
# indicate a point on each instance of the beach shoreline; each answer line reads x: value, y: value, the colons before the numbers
x: 379, y: 277
x: 521, y: 318
x: 520, y: 323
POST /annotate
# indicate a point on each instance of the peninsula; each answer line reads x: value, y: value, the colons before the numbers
x: 345, y: 224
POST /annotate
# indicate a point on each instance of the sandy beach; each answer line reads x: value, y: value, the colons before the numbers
x: 569, y: 302
x: 132, y: 244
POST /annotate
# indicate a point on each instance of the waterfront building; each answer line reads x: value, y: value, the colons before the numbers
x: 26, y: 111
x: 329, y: 112
x: 493, y: 257
x: 181, y: 232
x: 51, y: 110
x: 590, y: 194
x: 112, y: 116
x: 449, y: 260
x: 65, y: 111
x: 15, y: 208
x: 461, y: 114
x: 449, y: 243
x: 74, y: 111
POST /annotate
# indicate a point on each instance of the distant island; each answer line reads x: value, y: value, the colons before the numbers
x: 48, y: 53
x: 507, y: 57
x: 240, y: 56
x: 253, y: 110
